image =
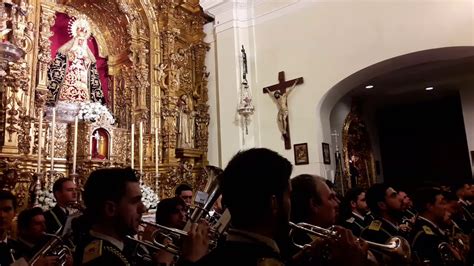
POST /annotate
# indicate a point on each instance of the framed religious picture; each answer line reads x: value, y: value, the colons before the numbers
x: 326, y: 154
x: 301, y: 153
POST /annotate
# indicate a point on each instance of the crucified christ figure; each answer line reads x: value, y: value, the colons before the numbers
x: 282, y: 104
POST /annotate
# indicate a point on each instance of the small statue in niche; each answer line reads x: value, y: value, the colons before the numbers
x: 185, y: 123
x: 100, y: 144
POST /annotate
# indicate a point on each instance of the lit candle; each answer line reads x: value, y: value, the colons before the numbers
x: 132, y: 158
x: 74, y: 155
x: 141, y: 147
x: 40, y: 140
x: 156, y: 148
x: 53, y: 126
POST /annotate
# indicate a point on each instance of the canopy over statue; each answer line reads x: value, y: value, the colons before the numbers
x: 73, y: 76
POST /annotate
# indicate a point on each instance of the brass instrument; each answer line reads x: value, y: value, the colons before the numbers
x: 155, y: 245
x: 54, y: 247
x: 395, y: 246
x: 213, y: 191
x: 169, y: 233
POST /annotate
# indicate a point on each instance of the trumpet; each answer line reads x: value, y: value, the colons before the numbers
x: 169, y: 233
x: 54, y: 247
x: 394, y: 247
x: 155, y: 245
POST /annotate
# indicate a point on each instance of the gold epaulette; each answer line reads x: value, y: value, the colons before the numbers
x: 375, y: 225
x: 92, y: 251
x: 427, y: 230
x: 269, y: 262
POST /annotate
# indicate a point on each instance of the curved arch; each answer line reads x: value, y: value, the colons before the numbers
x: 361, y: 77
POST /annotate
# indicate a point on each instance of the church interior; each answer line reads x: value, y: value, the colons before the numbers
x: 168, y: 87
x: 356, y: 92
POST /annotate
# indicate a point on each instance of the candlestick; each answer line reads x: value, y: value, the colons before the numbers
x: 53, y: 126
x: 156, y: 150
x: 74, y: 155
x: 40, y: 140
x: 132, y: 158
x: 141, y: 147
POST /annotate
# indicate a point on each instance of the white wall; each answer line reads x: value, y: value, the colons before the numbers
x: 325, y: 42
x: 211, y: 64
x: 467, y: 101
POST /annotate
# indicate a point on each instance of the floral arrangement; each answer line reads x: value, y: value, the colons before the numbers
x: 46, y: 199
x: 92, y: 111
x: 149, y: 197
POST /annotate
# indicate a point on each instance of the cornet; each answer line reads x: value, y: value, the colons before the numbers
x: 173, y: 234
x: 394, y: 247
x: 54, y: 247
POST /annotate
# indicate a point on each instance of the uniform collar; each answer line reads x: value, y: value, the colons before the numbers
x: 117, y: 243
x: 390, y: 223
x: 432, y: 224
x: 251, y: 237
x: 26, y: 243
x: 4, y: 240
x: 358, y: 215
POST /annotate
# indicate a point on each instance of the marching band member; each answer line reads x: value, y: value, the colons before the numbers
x: 427, y: 233
x: 64, y: 191
x: 256, y: 190
x: 353, y: 209
x: 9, y: 248
x: 313, y: 202
x: 114, y: 206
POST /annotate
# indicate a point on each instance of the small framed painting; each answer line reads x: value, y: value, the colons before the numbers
x: 301, y: 153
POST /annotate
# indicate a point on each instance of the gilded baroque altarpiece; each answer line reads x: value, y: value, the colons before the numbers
x: 143, y: 60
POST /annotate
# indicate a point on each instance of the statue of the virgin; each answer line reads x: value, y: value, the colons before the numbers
x: 73, y: 76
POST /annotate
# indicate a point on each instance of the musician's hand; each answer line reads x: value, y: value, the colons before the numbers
x: 405, y: 228
x: 163, y: 257
x: 47, y: 261
x: 309, y: 252
x: 347, y: 249
x: 196, y: 244
x: 69, y: 260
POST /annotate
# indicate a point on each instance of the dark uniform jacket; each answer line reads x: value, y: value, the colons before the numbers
x: 380, y: 231
x: 355, y: 223
x: 99, y: 250
x: 244, y: 248
x: 426, y: 240
x: 55, y: 219
x: 9, y: 251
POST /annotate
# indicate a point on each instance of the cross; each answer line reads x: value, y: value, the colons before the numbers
x: 279, y: 94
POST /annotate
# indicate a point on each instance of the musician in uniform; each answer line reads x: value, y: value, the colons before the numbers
x: 465, y: 195
x: 427, y: 233
x: 32, y: 238
x: 313, y: 202
x: 407, y: 205
x: 256, y: 190
x: 353, y: 209
x: 9, y: 248
x: 171, y: 213
x: 64, y: 191
x: 185, y: 192
x: 386, y: 207
x: 114, y: 208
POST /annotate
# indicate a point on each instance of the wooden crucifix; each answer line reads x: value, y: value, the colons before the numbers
x: 279, y: 95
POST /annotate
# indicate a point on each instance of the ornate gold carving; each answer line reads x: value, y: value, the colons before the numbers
x: 357, y: 150
x: 155, y: 53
